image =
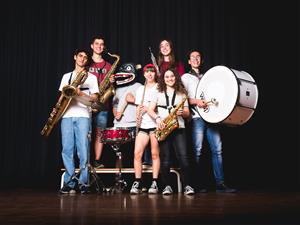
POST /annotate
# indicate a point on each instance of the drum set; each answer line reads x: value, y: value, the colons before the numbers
x: 115, y: 137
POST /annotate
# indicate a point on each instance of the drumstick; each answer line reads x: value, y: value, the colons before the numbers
x: 122, y: 109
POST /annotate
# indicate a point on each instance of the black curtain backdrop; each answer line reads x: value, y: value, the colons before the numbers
x: 38, y: 39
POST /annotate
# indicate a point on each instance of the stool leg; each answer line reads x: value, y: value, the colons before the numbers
x: 62, y: 180
x: 179, y: 185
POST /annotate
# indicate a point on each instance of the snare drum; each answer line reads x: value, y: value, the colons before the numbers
x: 115, y: 135
x: 233, y: 94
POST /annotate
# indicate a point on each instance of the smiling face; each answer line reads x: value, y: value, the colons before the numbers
x: 98, y: 46
x: 165, y: 48
x: 169, y: 78
x: 195, y: 59
x: 149, y: 74
x: 81, y: 59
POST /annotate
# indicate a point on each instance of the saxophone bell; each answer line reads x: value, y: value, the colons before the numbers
x: 69, y: 91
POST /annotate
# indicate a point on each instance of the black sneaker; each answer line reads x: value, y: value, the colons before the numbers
x: 83, y: 189
x: 66, y: 190
x: 222, y: 188
x: 98, y: 164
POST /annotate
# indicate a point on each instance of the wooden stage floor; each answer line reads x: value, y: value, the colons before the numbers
x: 31, y: 206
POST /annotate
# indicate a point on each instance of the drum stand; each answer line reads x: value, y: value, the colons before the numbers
x: 100, y: 188
x: 120, y: 183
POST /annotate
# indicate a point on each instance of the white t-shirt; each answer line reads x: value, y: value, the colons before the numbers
x: 191, y: 82
x: 129, y: 115
x: 160, y: 99
x: 90, y: 86
x: 147, y: 121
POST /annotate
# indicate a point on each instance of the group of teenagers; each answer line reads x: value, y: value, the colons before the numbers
x: 166, y: 85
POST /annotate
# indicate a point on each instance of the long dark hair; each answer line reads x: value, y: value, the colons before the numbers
x: 172, y: 57
x: 178, y: 86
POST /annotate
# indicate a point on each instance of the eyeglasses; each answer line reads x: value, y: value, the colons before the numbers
x: 195, y: 57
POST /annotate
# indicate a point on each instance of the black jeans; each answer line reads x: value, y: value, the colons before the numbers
x: 177, y: 141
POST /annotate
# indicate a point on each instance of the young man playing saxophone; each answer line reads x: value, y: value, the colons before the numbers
x: 76, y: 124
x: 99, y: 67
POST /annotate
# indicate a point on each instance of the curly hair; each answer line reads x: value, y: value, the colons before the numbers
x: 178, y: 86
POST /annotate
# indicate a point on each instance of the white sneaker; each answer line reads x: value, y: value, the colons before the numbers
x: 188, y: 190
x: 167, y: 191
x: 135, y: 189
x: 153, y: 188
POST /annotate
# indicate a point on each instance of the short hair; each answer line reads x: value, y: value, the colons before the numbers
x: 195, y: 50
x: 78, y: 50
x: 97, y: 37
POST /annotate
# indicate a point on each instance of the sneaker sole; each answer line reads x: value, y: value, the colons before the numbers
x: 190, y: 193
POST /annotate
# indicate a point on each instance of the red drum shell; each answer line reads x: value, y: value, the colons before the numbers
x: 115, y: 135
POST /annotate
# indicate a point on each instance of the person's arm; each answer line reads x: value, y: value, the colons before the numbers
x: 91, y: 97
x: 198, y: 102
x: 185, y: 112
x: 130, y: 98
x: 152, y: 112
x: 116, y: 114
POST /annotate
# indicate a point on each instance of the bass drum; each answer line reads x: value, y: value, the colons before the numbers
x: 232, y: 94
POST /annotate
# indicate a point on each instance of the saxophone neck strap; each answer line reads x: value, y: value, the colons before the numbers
x: 70, y: 79
x: 169, y: 107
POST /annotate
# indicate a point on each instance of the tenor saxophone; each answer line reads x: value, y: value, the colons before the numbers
x: 171, y: 123
x: 68, y: 92
x: 106, y: 89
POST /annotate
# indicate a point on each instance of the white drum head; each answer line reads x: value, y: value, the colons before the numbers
x: 218, y: 83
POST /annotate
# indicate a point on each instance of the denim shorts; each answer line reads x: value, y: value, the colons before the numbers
x: 101, y: 119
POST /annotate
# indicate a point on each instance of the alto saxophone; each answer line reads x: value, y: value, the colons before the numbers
x: 106, y: 89
x: 171, y: 123
x: 68, y: 92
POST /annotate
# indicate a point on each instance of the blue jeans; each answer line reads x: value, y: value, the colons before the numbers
x: 74, y: 131
x: 200, y: 128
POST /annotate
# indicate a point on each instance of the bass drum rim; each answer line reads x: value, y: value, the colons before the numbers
x: 234, y: 92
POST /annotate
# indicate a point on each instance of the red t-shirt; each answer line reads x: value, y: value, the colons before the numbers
x: 179, y: 67
x: 100, y: 69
